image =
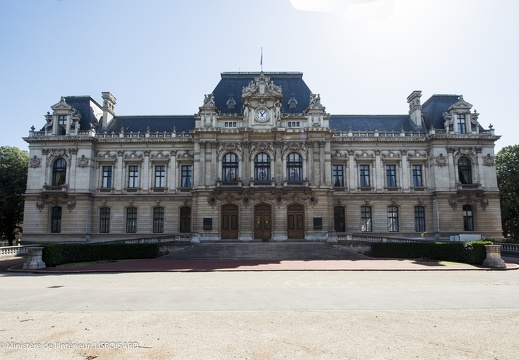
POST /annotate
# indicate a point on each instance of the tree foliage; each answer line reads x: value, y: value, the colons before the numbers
x: 507, y: 163
x: 13, y: 182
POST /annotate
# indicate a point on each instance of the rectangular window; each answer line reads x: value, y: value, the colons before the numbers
x: 419, y: 219
x: 106, y: 181
x: 392, y: 219
x: 294, y: 124
x: 160, y: 176
x: 230, y: 124
x: 104, y: 220
x: 462, y: 125
x: 364, y: 176
x: 468, y: 218
x: 55, y: 224
x: 131, y: 220
x: 338, y: 175
x: 365, y: 219
x: 158, y: 220
x: 133, y: 176
x: 417, y: 176
x: 187, y: 171
x: 391, y: 175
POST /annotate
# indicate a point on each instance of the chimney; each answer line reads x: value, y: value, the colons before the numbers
x: 415, y: 107
x: 109, y: 102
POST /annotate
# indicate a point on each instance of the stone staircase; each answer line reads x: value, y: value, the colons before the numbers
x: 261, y: 251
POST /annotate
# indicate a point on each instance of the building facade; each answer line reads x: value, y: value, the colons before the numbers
x: 261, y: 160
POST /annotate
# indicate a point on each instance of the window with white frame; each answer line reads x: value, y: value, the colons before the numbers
x: 391, y: 175
x: 462, y: 123
x: 392, y: 219
x: 160, y: 176
x: 417, y: 173
x: 364, y: 175
x: 106, y: 176
x: 133, y: 176
x: 186, y: 176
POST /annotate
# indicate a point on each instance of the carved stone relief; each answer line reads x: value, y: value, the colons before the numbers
x: 83, y: 161
x: 488, y: 160
x: 441, y: 160
x: 35, y: 162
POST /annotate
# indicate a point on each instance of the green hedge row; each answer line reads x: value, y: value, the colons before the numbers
x: 465, y: 252
x: 56, y: 254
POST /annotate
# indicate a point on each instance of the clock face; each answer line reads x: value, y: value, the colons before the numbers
x: 262, y: 114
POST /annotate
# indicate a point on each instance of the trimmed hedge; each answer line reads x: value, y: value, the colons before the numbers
x: 56, y: 254
x: 472, y: 252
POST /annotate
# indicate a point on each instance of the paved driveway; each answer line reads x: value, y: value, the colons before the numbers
x: 261, y: 315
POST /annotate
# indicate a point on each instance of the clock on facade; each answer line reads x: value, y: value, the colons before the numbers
x: 262, y: 114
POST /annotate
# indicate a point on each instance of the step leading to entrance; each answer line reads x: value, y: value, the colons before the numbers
x: 262, y: 251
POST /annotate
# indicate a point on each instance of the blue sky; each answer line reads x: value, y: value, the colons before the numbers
x: 162, y: 56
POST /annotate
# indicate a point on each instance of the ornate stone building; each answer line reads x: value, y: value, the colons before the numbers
x: 261, y: 159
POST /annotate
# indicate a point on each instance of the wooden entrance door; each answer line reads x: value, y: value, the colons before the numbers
x: 262, y: 222
x: 296, y: 222
x: 229, y: 228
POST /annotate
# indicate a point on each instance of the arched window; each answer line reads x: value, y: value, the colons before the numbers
x: 59, y: 172
x: 464, y: 170
x: 230, y: 167
x: 294, y: 167
x: 262, y: 167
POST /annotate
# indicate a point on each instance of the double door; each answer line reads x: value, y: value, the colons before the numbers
x: 262, y: 222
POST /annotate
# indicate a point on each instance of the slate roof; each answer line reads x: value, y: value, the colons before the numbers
x: 83, y: 105
x: 156, y: 123
x: 290, y: 82
x: 434, y: 107
x: 381, y: 123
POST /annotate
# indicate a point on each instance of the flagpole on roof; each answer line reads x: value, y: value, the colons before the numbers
x: 261, y: 60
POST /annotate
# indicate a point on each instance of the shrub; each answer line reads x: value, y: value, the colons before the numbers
x: 56, y: 254
x: 466, y: 252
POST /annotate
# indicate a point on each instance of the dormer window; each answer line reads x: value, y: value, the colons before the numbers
x: 62, y: 122
x: 462, y: 123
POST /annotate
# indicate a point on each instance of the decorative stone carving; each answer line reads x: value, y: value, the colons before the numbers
x: 441, y: 160
x: 209, y: 100
x: 392, y: 202
x: 417, y: 155
x: 483, y: 201
x: 262, y: 147
x: 35, y: 162
x: 391, y: 155
x: 58, y: 153
x: 488, y: 160
x: 231, y: 103
x: 292, y: 102
x: 83, y: 161
x: 315, y: 100
x: 160, y: 156
x: 294, y: 146
x: 133, y: 156
x: 364, y: 155
x: 69, y: 201
x: 453, y: 202
x: 234, y: 146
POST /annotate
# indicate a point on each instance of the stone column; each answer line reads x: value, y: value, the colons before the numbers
x: 202, y: 164
x: 405, y: 175
x: 173, y: 171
